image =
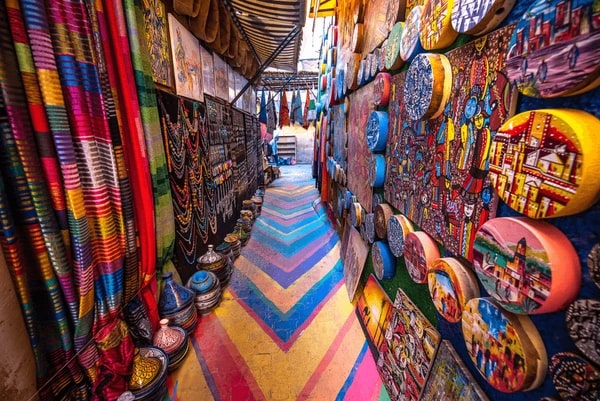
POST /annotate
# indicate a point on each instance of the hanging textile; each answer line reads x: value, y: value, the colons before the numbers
x: 262, y: 116
x: 297, y: 107
x: 305, y: 117
x: 284, y: 110
x: 292, y: 111
x: 271, y: 115
x: 312, y: 110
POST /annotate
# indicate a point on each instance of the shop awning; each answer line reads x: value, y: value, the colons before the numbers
x: 322, y: 8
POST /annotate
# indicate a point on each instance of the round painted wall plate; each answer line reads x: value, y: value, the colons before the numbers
x: 410, y: 43
x: 350, y: 78
x: 544, y: 163
x: 451, y: 286
x: 377, y: 130
x: 506, y: 349
x: 583, y: 323
x: 393, y: 61
x: 384, y: 263
x: 369, y: 226
x: 383, y: 89
x: 528, y: 266
x: 554, y: 49
x: 436, y: 26
x: 593, y: 263
x: 428, y: 86
x: 383, y: 212
x: 477, y: 17
x: 420, y: 250
x: 398, y: 228
x: 574, y: 377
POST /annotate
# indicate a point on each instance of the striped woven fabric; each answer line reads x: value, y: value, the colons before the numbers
x: 35, y: 251
x: 163, y: 207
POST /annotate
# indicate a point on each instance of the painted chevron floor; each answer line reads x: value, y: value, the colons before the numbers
x: 284, y: 329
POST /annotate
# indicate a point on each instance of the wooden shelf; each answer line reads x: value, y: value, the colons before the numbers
x: 286, y: 146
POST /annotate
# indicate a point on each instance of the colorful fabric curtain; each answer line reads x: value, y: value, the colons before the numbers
x: 78, y: 129
x: 262, y: 116
x: 305, y: 116
x: 284, y: 110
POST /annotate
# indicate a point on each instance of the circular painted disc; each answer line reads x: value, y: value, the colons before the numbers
x: 382, y: 89
x: 428, y: 86
x: 377, y: 129
x: 529, y: 266
x: 436, y: 25
x: 384, y: 263
x: 583, y: 323
x: 352, y: 71
x: 375, y: 58
x: 488, y: 331
x: 356, y: 214
x: 476, y: 17
x: 358, y: 38
x: 451, y: 286
x: 395, y: 12
x: 377, y: 170
x: 575, y: 378
x: 410, y: 43
x: 545, y: 163
x: 369, y: 226
x: 562, y: 59
x: 393, y: 61
x: 593, y: 263
x: 397, y: 229
x: 383, y: 212
x: 420, y: 250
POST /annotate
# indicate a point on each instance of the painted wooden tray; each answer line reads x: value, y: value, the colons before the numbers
x: 559, y: 57
x: 574, y: 377
x: 477, y: 17
x: 384, y: 263
x: 436, y: 24
x: 397, y: 229
x: 506, y: 349
x: 450, y: 379
x: 410, y: 43
x: 383, y: 212
x: 544, y: 163
x: 428, y: 86
x: 408, y: 351
x: 583, y: 323
x: 420, y: 250
x: 451, y: 286
x: 529, y: 266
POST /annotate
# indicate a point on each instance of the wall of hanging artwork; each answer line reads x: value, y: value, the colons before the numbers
x: 500, y: 170
x: 221, y: 78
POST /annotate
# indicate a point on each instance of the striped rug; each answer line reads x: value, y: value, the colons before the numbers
x: 284, y: 329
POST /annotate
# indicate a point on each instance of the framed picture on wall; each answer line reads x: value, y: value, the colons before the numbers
x: 221, y: 78
x: 157, y: 40
x: 187, y: 65
x: 208, y: 71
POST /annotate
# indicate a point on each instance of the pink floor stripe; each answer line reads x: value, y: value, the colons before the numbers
x: 367, y: 383
x: 335, y: 345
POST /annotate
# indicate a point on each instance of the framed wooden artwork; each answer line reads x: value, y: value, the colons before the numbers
x: 583, y: 323
x: 449, y: 379
x: 559, y: 57
x: 340, y: 135
x: 361, y: 106
x: 375, y: 27
x: 354, y: 254
x: 574, y: 377
x: 451, y: 285
x: 437, y: 169
x: 231, y: 83
x: 157, y: 40
x: 477, y: 17
x: 544, y: 163
x: 528, y: 266
x: 420, y: 250
x: 374, y: 309
x: 506, y: 349
x: 187, y: 65
x: 221, y: 78
x: 408, y: 351
x: 208, y: 71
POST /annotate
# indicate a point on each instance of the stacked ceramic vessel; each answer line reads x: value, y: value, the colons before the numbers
x: 173, y: 340
x: 226, y: 252
x: 176, y: 304
x: 148, y: 381
x: 214, y: 262
x: 236, y: 245
x: 207, y: 290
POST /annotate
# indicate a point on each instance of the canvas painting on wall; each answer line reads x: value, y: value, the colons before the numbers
x: 408, y: 351
x: 361, y: 106
x: 231, y: 83
x: 221, y: 78
x: 437, y: 171
x: 374, y: 309
x: 157, y: 40
x: 208, y: 71
x: 449, y: 378
x: 187, y: 65
x: 354, y: 255
x: 340, y: 135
